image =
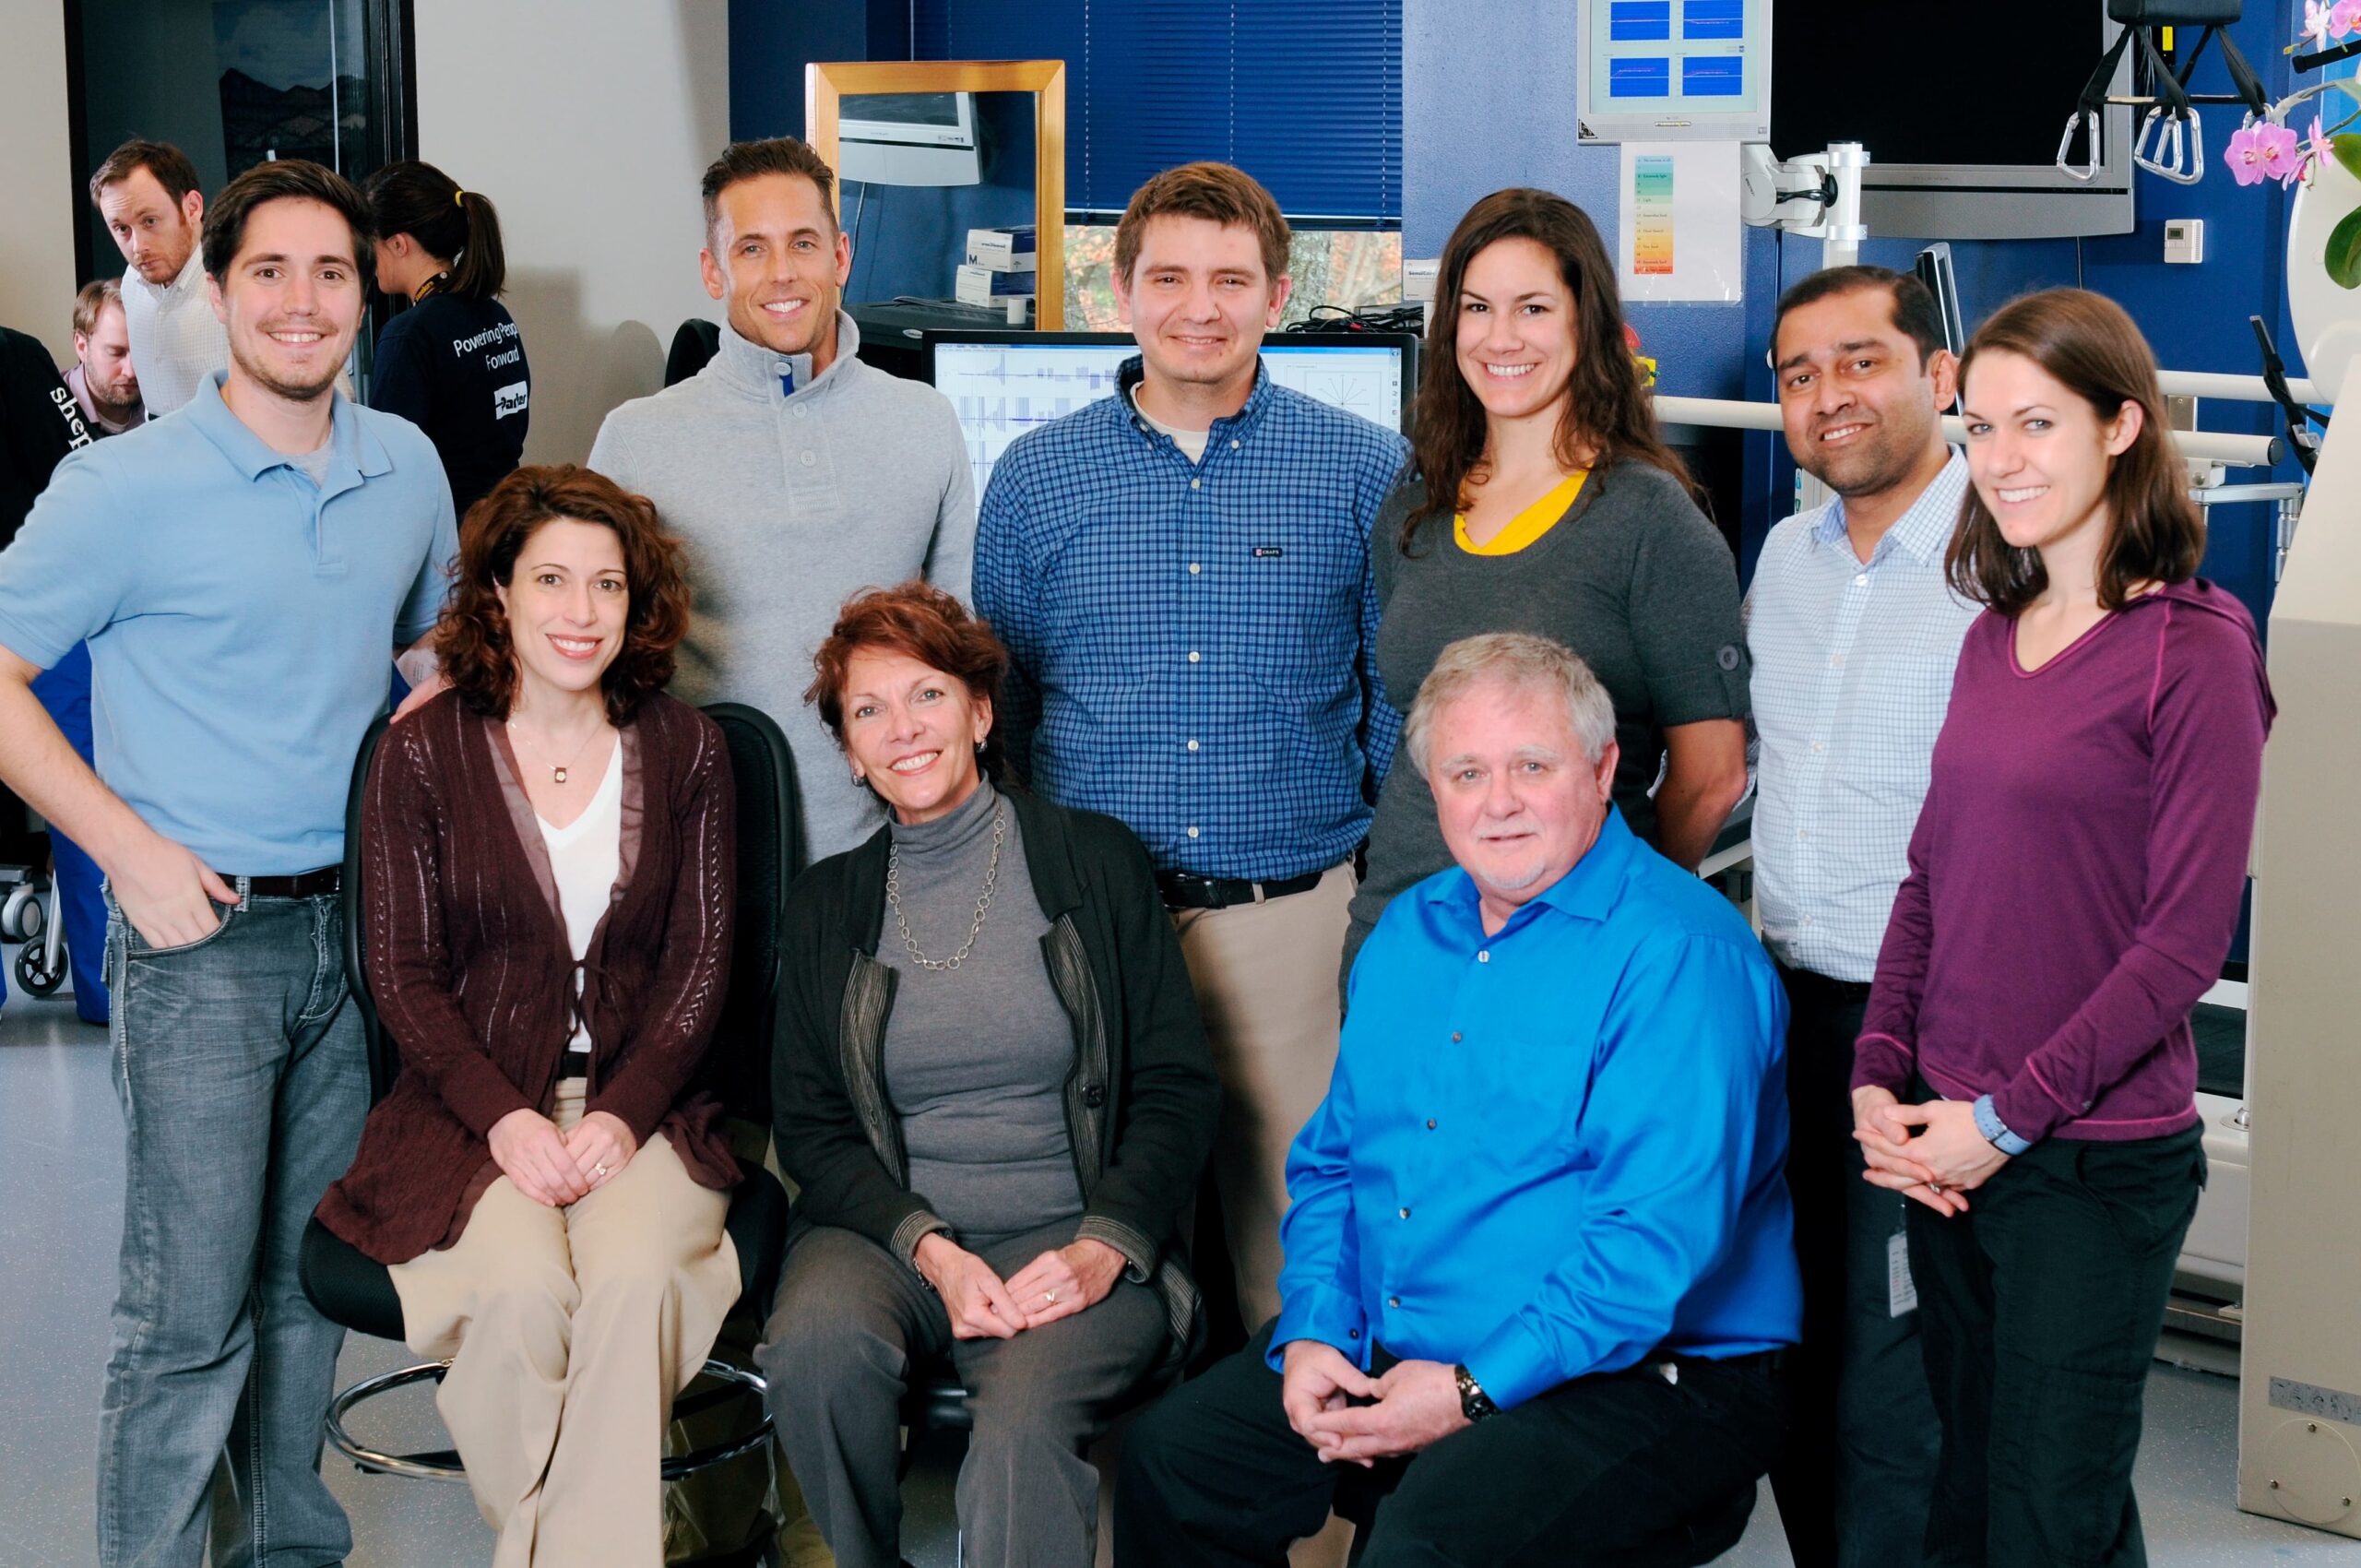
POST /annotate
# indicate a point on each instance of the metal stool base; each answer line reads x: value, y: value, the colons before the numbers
x: 433, y: 1467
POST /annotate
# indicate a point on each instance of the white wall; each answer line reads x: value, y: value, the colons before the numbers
x: 38, y: 184
x: 587, y: 122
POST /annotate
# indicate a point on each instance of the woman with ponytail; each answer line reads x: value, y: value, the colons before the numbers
x: 452, y: 364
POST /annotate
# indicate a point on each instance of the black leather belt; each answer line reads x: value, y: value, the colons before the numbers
x: 1182, y: 891
x: 304, y: 884
x: 1825, y: 985
x: 574, y: 1064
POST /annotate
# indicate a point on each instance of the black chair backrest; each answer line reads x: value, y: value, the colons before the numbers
x: 738, y: 1069
x: 770, y: 847
x: 694, y: 347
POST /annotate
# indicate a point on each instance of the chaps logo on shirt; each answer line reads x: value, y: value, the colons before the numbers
x: 1268, y: 552
x: 509, y: 400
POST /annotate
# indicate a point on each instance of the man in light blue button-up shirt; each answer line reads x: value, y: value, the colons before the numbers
x: 1538, y: 1262
x: 1854, y: 633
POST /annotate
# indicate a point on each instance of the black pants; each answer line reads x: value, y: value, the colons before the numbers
x: 2042, y: 1306
x: 1214, y: 1477
x: 1856, y: 1479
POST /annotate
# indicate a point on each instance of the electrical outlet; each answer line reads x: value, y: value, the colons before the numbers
x: 2184, y: 241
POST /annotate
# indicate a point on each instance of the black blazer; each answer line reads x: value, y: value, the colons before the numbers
x: 1140, y: 1102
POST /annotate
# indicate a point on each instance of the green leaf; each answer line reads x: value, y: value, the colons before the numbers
x: 2343, y: 257
x: 2348, y: 152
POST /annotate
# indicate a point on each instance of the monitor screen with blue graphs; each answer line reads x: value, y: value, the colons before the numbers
x: 1003, y: 384
x: 1675, y: 69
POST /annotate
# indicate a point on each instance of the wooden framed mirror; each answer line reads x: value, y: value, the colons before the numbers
x: 825, y: 86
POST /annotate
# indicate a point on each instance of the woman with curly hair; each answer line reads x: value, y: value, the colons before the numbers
x: 547, y: 884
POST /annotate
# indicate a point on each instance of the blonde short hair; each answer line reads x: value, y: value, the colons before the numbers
x: 1516, y: 659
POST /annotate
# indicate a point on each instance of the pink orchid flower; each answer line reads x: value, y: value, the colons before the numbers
x: 2244, y: 155
x: 2315, y: 150
x: 2277, y: 151
x: 2344, y: 17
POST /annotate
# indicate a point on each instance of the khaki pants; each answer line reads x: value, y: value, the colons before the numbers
x: 1265, y: 977
x: 569, y: 1332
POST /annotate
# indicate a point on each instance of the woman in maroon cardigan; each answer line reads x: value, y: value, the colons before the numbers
x: 547, y: 893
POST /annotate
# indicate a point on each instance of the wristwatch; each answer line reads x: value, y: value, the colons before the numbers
x: 1473, y: 1403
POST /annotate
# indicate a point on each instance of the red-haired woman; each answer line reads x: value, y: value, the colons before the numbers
x: 994, y: 1092
x: 2026, y: 1070
x: 547, y: 882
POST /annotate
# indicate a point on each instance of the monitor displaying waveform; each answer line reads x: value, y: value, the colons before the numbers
x: 1002, y: 388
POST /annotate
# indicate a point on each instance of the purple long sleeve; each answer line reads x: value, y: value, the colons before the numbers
x: 2075, y: 874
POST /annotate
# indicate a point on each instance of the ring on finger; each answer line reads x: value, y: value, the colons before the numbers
x: 1050, y: 1297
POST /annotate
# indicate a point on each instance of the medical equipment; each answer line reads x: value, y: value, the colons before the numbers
x: 2170, y: 141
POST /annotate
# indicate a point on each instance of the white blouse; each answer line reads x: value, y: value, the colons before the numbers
x: 585, y: 856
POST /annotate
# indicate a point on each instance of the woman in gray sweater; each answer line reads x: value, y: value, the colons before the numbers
x: 1541, y: 499
x: 992, y: 1088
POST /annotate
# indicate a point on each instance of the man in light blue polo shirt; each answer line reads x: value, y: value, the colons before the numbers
x: 1854, y: 635
x: 244, y: 572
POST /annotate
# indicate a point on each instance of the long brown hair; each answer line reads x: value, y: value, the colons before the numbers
x: 473, y: 642
x: 2154, y: 534
x: 1607, y: 416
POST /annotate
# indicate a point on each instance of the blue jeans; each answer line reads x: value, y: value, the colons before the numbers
x: 244, y: 1082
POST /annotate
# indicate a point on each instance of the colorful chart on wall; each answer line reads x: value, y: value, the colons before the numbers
x: 1679, y: 235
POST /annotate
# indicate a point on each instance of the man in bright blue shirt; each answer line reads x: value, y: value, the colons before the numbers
x: 1181, y: 575
x: 244, y: 571
x: 1538, y: 1266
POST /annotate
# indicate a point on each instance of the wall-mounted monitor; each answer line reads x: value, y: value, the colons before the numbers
x: 908, y: 138
x: 1961, y: 126
x: 1003, y: 384
x: 1674, y: 70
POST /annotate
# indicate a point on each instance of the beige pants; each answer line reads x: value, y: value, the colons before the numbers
x: 569, y: 1331
x: 1265, y: 977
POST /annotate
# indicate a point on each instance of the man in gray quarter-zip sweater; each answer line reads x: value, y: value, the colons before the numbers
x: 796, y: 473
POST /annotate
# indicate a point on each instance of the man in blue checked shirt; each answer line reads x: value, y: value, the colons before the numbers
x: 1538, y: 1272
x: 1181, y: 575
x: 1854, y: 633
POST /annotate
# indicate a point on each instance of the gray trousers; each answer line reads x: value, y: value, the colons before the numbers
x: 852, y: 1325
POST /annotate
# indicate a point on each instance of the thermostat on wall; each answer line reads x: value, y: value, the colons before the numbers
x: 2185, y: 240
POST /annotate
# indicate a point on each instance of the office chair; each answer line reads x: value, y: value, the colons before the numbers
x: 357, y: 1293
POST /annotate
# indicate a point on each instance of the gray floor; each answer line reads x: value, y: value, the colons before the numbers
x: 61, y: 1179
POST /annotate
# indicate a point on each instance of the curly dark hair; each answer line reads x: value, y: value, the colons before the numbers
x: 928, y: 625
x: 472, y: 640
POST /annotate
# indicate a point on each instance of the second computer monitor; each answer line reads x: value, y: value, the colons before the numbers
x: 1003, y: 384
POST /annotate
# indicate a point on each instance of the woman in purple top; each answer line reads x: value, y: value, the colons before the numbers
x: 2026, y: 1070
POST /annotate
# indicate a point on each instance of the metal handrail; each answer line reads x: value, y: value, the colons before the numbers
x: 2201, y: 445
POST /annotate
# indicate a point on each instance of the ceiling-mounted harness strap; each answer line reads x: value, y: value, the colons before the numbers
x: 2085, y: 117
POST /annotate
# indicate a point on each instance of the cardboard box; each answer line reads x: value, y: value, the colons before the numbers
x: 1002, y: 250
x: 979, y: 285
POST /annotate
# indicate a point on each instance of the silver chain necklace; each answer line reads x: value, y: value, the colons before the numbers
x: 983, y: 904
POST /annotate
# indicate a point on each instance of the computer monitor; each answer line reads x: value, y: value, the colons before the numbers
x: 908, y: 138
x: 1674, y: 70
x: 1003, y: 384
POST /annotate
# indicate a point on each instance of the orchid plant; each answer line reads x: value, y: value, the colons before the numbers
x: 2266, y: 148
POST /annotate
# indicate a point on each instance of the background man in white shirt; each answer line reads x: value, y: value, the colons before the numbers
x: 147, y: 192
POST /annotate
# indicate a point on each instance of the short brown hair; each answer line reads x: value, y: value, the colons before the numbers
x: 168, y: 164
x: 472, y: 640
x: 2153, y: 533
x: 752, y: 159
x: 92, y: 302
x: 924, y: 622
x: 296, y: 179
x: 1228, y: 196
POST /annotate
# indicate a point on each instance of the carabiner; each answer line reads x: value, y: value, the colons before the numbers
x: 2074, y: 122
x: 2180, y: 171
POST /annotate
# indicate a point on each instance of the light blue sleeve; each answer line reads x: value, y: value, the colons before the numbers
x: 69, y: 574
x: 424, y: 605
x: 1695, y: 1027
x: 1319, y: 1291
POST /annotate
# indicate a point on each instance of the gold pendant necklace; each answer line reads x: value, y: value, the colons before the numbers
x: 557, y: 769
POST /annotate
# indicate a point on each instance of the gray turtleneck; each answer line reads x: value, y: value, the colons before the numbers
x: 790, y: 504
x: 976, y: 1058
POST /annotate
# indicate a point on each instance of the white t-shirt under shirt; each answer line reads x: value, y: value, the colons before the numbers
x: 585, y: 856
x: 1191, y: 442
